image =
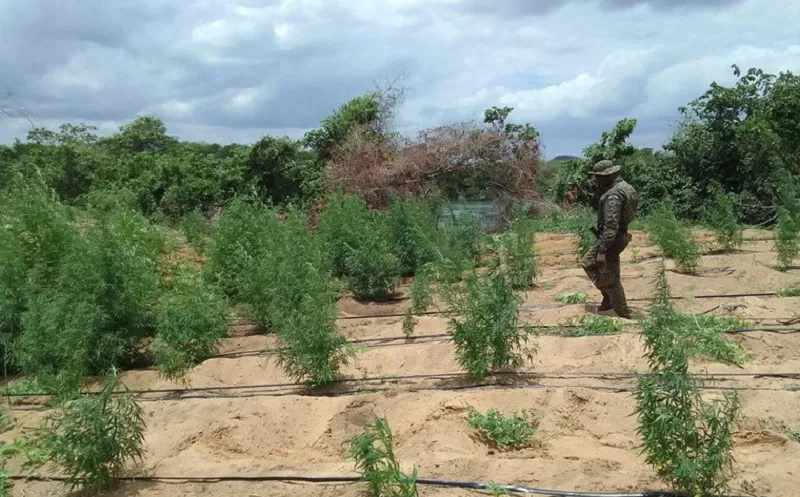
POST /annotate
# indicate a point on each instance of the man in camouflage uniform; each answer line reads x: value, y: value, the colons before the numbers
x: 617, y: 209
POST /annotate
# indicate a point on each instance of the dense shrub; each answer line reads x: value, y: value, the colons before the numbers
x: 411, y: 228
x: 88, y: 288
x: 190, y: 320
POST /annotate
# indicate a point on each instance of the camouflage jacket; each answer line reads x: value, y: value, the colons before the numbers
x: 618, y: 206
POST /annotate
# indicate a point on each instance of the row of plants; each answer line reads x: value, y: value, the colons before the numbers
x: 81, y: 289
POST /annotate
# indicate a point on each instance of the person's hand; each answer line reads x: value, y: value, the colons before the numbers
x: 601, y: 258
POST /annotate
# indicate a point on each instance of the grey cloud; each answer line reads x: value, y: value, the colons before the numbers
x: 533, y: 8
x: 461, y: 57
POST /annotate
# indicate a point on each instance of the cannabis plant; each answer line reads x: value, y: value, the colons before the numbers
x: 722, y: 218
x: 675, y: 241
x: 412, y: 233
x: 518, y: 253
x: 190, y: 320
x: 372, y: 269
x: 373, y: 452
x: 686, y: 439
x: 484, y: 324
x: 421, y: 298
x: 786, y: 242
x: 93, y: 436
x: 197, y: 231
x: 511, y: 432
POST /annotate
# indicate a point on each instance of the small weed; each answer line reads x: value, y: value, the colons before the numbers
x: 496, y: 490
x: 790, y: 291
x: 573, y: 298
x: 793, y: 435
x: 373, y: 452
x: 512, y: 432
x: 421, y: 298
x: 636, y: 255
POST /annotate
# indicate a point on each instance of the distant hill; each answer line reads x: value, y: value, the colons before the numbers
x: 562, y: 158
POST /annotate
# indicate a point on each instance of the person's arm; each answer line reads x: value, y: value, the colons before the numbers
x: 612, y: 212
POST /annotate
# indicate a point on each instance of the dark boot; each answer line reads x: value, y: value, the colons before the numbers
x: 619, y: 303
x: 605, y: 305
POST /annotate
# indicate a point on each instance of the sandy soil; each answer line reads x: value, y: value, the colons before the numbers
x: 578, y: 387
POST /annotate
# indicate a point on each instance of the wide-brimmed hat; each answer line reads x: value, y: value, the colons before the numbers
x: 604, y: 168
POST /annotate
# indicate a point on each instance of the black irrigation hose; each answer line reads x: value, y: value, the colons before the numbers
x: 540, y: 308
x: 440, y: 376
x: 414, y: 339
x: 354, y: 479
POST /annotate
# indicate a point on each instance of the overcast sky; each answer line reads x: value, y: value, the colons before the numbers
x: 234, y: 70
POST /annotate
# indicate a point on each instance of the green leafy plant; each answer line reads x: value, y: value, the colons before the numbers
x: 483, y: 321
x: 786, y: 243
x: 790, y: 291
x: 89, y: 288
x: 411, y: 233
x: 93, y: 436
x: 290, y: 292
x: 190, y: 320
x: 421, y: 299
x: 721, y: 216
x: 197, y: 231
x: 372, y: 270
x: 517, y: 253
x: 572, y: 298
x: 588, y: 325
x: 513, y: 432
x: 675, y: 241
x: 373, y: 452
x: 687, y: 439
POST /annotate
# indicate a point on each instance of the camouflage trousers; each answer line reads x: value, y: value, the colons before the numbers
x: 606, y: 276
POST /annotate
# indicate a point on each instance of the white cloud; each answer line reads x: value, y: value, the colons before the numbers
x: 236, y: 69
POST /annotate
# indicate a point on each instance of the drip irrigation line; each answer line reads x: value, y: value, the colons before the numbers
x: 435, y: 376
x: 471, y: 485
x: 557, y: 306
x: 432, y: 338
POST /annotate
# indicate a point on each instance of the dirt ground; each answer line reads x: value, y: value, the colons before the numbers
x: 578, y: 387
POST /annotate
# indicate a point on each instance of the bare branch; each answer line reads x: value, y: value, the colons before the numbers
x: 14, y: 112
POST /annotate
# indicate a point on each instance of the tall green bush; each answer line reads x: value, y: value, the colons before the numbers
x: 412, y: 234
x: 89, y: 285
x: 190, y: 320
